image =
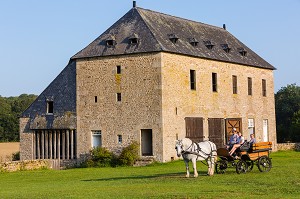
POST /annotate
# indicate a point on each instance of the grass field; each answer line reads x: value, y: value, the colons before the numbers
x: 157, y: 181
x: 7, y: 149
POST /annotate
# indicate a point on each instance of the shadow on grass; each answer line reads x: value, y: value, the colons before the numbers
x: 169, y: 175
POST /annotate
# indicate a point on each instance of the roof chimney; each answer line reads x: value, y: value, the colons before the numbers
x: 224, y: 26
x: 134, y: 4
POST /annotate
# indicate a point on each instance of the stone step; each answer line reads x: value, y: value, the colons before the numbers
x: 144, y: 162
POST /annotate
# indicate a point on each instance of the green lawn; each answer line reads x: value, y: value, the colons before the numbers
x: 157, y: 181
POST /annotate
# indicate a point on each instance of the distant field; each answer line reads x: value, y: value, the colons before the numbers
x: 157, y: 181
x: 7, y: 149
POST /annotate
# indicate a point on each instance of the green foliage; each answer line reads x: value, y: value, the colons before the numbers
x: 129, y: 154
x: 287, y: 105
x: 10, y: 110
x: 101, y: 157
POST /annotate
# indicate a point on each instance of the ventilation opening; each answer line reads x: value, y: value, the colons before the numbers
x: 133, y: 39
x: 242, y: 51
x: 225, y: 47
x: 110, y: 41
x: 194, y: 42
x: 173, y: 38
x: 208, y: 44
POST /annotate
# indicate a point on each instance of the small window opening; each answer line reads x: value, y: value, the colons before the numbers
x: 225, y: 47
x: 96, y: 99
x: 264, y: 87
x: 214, y: 82
x: 119, y: 97
x: 208, y: 44
x: 120, y: 140
x: 194, y: 42
x: 50, y: 107
x: 173, y: 38
x: 242, y: 51
x: 234, y: 84
x: 193, y: 79
x: 249, y: 86
x: 118, y: 69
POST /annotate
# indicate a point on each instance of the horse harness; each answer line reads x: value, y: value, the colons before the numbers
x: 198, y: 149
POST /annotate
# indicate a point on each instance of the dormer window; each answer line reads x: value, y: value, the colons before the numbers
x: 208, y: 44
x: 111, y: 41
x: 49, y: 107
x: 133, y: 39
x: 242, y: 51
x: 225, y: 47
x: 173, y: 38
x: 193, y: 42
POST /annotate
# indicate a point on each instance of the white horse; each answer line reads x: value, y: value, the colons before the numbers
x: 192, y: 151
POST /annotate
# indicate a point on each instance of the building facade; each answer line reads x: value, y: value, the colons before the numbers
x: 151, y: 78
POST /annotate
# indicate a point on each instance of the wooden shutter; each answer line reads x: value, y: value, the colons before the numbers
x: 194, y: 128
x: 233, y: 123
x: 216, y: 131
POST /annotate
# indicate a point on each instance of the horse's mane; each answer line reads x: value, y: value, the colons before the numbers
x: 187, y: 142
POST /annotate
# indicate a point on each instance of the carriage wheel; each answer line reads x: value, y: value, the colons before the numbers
x: 221, y: 166
x: 250, y: 165
x: 241, y: 166
x: 264, y: 164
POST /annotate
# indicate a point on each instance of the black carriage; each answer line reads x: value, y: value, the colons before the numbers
x: 246, y: 157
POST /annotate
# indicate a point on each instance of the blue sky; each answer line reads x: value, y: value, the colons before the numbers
x: 38, y: 37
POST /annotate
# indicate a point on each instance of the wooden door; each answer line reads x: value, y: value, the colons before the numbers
x: 216, y: 131
x: 194, y: 128
x: 233, y: 123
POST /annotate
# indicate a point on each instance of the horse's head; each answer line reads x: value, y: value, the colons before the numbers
x: 178, y: 147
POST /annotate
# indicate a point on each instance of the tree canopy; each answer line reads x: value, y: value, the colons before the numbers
x: 10, y: 110
x: 287, y: 106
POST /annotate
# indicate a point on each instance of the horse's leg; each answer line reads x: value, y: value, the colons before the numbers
x: 211, y: 164
x: 187, y: 168
x: 194, y: 160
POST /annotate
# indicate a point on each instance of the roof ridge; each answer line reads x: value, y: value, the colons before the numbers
x: 181, y: 18
x: 161, y: 46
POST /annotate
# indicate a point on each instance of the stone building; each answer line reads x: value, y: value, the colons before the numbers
x: 151, y: 78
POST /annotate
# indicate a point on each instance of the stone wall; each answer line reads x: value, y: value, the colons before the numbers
x: 179, y: 101
x: 24, y: 165
x: 288, y: 146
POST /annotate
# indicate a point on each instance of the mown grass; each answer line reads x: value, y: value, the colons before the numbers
x: 157, y: 181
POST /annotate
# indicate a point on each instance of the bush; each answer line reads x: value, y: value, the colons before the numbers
x: 129, y: 154
x: 101, y: 157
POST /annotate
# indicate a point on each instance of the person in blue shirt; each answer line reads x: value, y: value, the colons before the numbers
x: 233, y: 139
x: 240, y: 141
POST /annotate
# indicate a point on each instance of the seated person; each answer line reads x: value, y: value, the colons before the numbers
x: 233, y: 139
x: 240, y: 141
x: 252, y: 139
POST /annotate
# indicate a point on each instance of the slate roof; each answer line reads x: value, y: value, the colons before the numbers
x: 154, y: 32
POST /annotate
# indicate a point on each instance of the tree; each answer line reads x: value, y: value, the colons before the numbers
x: 287, y: 106
x: 10, y: 110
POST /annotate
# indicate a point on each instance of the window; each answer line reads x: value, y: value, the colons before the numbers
x: 119, y: 97
x: 193, y: 79
x: 242, y: 51
x: 118, y: 69
x: 110, y: 41
x: 96, y: 99
x: 194, y: 42
x: 133, y: 39
x: 250, y: 126
x: 50, y: 107
x: 264, y: 87
x: 96, y: 139
x: 234, y: 84
x: 249, y: 86
x: 120, y: 139
x: 214, y: 82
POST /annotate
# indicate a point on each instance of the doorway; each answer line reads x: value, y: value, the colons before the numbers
x: 146, y: 142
